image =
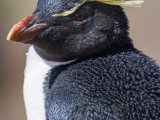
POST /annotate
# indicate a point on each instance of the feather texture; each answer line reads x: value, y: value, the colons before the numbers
x: 111, y: 2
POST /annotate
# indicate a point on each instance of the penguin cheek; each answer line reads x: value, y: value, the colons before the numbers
x: 53, y: 34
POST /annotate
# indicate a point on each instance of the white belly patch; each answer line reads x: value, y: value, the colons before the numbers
x: 35, y: 73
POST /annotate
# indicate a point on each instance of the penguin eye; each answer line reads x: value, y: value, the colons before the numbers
x: 81, y: 17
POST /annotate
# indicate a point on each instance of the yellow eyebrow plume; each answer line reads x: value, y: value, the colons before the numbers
x: 121, y: 2
x: 111, y: 2
x: 68, y: 12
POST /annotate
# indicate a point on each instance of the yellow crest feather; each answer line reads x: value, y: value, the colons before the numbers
x: 121, y: 2
x: 111, y: 2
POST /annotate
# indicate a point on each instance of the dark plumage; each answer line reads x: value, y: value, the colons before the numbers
x: 67, y: 38
x: 123, y: 86
x: 109, y: 79
x: 56, y: 6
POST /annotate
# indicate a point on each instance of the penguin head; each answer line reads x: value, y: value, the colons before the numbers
x: 60, y: 31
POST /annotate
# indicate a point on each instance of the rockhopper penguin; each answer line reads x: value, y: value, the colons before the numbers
x: 82, y: 65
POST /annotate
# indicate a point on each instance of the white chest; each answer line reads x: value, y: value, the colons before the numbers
x: 35, y: 73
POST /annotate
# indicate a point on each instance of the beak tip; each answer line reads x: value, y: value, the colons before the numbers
x: 9, y: 36
x: 13, y: 31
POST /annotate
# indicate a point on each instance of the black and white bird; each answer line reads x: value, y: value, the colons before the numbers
x: 82, y: 65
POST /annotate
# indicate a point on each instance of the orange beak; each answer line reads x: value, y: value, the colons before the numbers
x: 24, y: 30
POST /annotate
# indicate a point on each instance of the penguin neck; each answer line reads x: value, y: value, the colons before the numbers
x: 121, y: 44
x: 34, y: 78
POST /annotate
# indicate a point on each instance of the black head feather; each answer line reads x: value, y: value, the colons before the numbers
x: 56, y: 6
x: 103, y: 28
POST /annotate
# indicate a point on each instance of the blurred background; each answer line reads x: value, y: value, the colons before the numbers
x: 144, y: 30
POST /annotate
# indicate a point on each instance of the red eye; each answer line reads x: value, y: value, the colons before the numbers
x: 81, y: 17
